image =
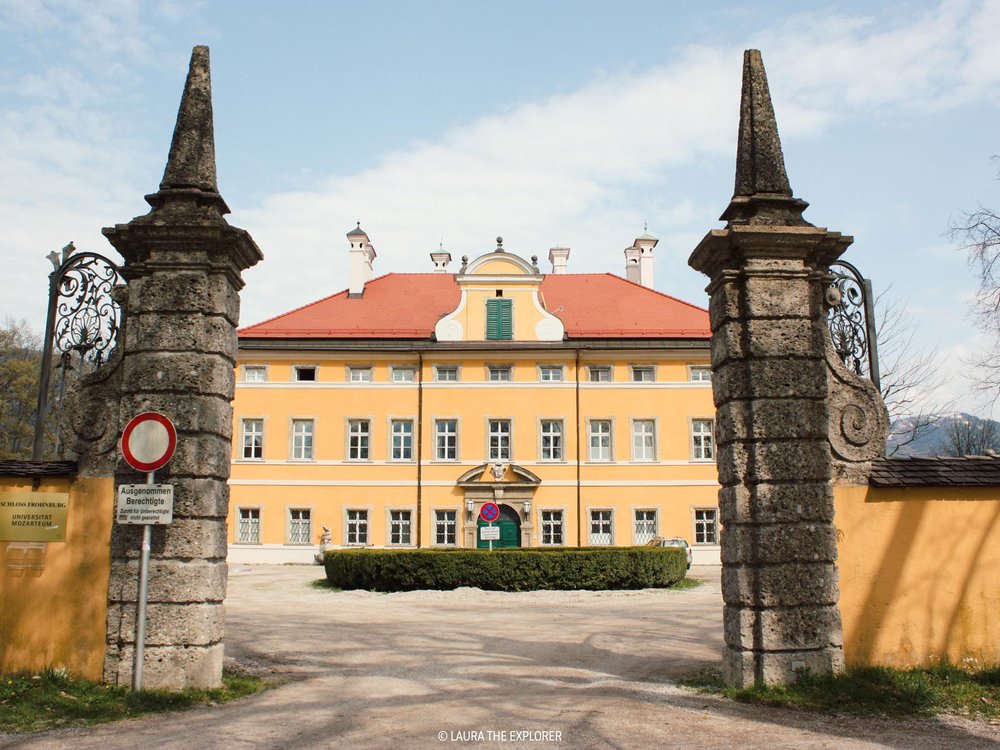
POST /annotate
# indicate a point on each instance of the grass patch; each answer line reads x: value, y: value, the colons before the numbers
x: 685, y: 583
x: 321, y: 584
x: 55, y: 699
x: 866, y: 691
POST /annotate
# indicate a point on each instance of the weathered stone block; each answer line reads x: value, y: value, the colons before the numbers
x: 778, y: 543
x: 187, y: 538
x: 170, y: 580
x: 766, y: 337
x: 169, y: 624
x: 181, y: 332
x: 201, y: 454
x: 168, y: 667
x: 795, y: 502
x: 772, y: 461
x: 767, y: 296
x: 190, y: 412
x: 187, y: 373
x: 178, y: 291
x: 784, y: 629
x: 782, y: 585
x: 201, y: 498
x: 746, y: 668
x: 776, y: 418
x: 769, y: 379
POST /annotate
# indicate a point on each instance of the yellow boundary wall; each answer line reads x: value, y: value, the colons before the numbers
x: 56, y: 616
x: 919, y: 574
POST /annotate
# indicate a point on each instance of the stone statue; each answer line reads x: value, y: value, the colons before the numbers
x: 325, y: 543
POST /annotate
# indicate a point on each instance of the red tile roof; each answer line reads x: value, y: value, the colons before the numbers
x: 408, y: 305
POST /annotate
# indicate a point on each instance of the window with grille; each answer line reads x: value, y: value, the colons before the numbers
x: 702, y: 442
x: 552, y: 527
x: 358, y: 439
x: 444, y: 526
x: 499, y: 440
x: 302, y: 439
x: 600, y: 440
x: 248, y: 530
x: 552, y: 440
x: 706, y: 526
x: 645, y: 526
x: 402, y: 439
x: 601, y: 530
x: 253, y: 438
x: 446, y: 439
x: 499, y: 319
x: 357, y: 527
x: 643, y: 440
x: 399, y: 527
x: 299, y: 525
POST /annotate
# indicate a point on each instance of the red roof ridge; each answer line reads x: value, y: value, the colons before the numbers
x: 642, y: 286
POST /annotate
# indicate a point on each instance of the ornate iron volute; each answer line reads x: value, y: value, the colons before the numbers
x: 851, y: 318
x: 83, y: 317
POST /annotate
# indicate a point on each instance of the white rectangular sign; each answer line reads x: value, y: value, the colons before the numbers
x: 145, y: 504
x: 486, y: 533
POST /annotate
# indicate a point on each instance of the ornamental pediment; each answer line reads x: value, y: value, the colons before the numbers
x: 497, y: 473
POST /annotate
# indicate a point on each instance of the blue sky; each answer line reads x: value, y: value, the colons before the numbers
x: 550, y: 123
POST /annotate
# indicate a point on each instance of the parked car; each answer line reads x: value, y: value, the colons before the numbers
x: 674, y: 541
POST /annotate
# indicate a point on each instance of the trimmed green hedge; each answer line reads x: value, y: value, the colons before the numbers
x: 522, y: 569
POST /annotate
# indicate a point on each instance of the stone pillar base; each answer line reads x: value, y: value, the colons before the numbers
x: 167, y: 667
x: 743, y: 669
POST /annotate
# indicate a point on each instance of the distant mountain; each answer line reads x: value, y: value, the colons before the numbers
x: 932, y: 440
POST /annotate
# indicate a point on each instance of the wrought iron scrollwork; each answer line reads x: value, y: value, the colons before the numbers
x: 87, y: 317
x: 851, y: 318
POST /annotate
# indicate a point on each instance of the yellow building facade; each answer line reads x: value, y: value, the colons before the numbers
x: 388, y: 414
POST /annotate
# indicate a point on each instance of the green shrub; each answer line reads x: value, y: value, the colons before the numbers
x: 522, y: 569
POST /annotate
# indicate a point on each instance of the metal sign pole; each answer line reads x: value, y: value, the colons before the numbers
x: 140, y: 615
x: 491, y: 537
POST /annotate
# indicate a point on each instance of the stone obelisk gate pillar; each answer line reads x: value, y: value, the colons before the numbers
x: 177, y: 354
x: 790, y: 419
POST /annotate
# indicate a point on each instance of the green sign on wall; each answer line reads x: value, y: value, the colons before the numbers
x: 33, y: 516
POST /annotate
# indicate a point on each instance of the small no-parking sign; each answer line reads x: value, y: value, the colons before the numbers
x: 148, y: 441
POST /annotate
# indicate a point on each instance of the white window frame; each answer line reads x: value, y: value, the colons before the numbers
x: 551, y: 373
x: 298, y: 368
x: 300, y: 440
x: 363, y: 438
x: 359, y: 374
x: 557, y: 451
x: 607, y: 517
x: 591, y: 434
x: 393, y: 423
x: 250, y: 522
x: 498, y: 370
x: 447, y: 368
x: 352, y: 525
x: 697, y: 373
x: 593, y: 369
x: 642, y: 531
x: 549, y: 527
x: 442, y: 523
x: 703, y: 521
x: 644, y: 453
x: 293, y: 525
x: 244, y: 434
x: 702, y: 440
x: 499, y: 454
x: 400, y: 372
x: 438, y: 434
x: 402, y: 525
x: 256, y: 369
x: 634, y: 371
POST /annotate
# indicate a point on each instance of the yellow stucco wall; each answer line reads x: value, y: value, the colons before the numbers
x: 919, y: 574
x: 56, y: 617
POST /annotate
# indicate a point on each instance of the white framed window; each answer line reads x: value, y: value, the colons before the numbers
x: 446, y: 373
x: 304, y: 373
x: 599, y: 373
x: 601, y: 528
x: 499, y: 440
x: 403, y: 375
x: 357, y: 527
x: 551, y: 440
x: 706, y: 526
x: 359, y: 374
x: 254, y: 373
x: 302, y: 439
x: 499, y: 373
x: 248, y: 528
x: 643, y: 440
x: 446, y: 439
x: 645, y: 525
x: 252, y: 439
x: 299, y: 525
x: 444, y: 527
x: 552, y: 527
x: 550, y: 373
x: 643, y: 373
x: 358, y: 439
x: 402, y: 440
x: 599, y: 435
x: 399, y: 527
x: 702, y: 440
x: 700, y: 374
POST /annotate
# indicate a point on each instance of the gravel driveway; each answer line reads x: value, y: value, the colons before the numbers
x: 469, y: 668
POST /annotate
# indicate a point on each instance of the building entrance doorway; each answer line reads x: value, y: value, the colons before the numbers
x: 510, y: 530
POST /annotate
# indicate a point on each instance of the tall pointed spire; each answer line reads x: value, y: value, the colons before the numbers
x: 762, y: 194
x: 190, y: 169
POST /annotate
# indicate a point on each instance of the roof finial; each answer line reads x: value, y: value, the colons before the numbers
x: 762, y: 194
x: 499, y: 245
x: 645, y: 227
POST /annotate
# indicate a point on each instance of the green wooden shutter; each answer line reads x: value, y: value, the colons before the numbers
x: 499, y: 319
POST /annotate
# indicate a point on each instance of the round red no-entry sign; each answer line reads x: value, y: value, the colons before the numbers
x: 148, y: 441
x: 489, y: 512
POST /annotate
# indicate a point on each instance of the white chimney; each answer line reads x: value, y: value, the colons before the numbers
x: 559, y: 257
x: 362, y: 255
x: 639, y: 260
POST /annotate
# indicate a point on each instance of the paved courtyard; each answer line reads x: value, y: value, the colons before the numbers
x: 482, y: 669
